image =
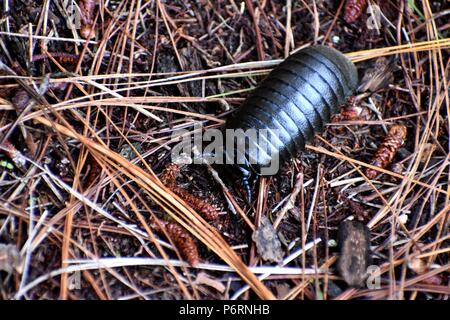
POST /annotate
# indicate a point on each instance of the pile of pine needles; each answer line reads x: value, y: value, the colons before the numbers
x: 91, y: 93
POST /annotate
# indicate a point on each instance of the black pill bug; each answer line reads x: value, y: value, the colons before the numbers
x: 296, y: 100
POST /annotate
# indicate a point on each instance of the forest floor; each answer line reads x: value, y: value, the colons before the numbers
x: 92, y: 101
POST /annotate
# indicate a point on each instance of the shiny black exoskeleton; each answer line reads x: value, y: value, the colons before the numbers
x: 293, y: 103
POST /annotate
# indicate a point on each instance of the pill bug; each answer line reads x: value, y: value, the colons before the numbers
x: 354, y: 252
x: 292, y: 103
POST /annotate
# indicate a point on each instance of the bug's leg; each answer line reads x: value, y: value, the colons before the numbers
x: 245, y: 174
x: 247, y: 189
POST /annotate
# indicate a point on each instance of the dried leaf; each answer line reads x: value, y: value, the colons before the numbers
x: 354, y: 256
x: 379, y: 76
x: 203, y: 278
x: 267, y: 242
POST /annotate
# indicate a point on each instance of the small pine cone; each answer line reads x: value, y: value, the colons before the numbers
x: 354, y: 9
x: 387, y: 150
x: 180, y: 238
x: 208, y: 211
x: 169, y: 176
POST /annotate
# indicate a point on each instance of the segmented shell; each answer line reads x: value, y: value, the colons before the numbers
x: 294, y: 103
